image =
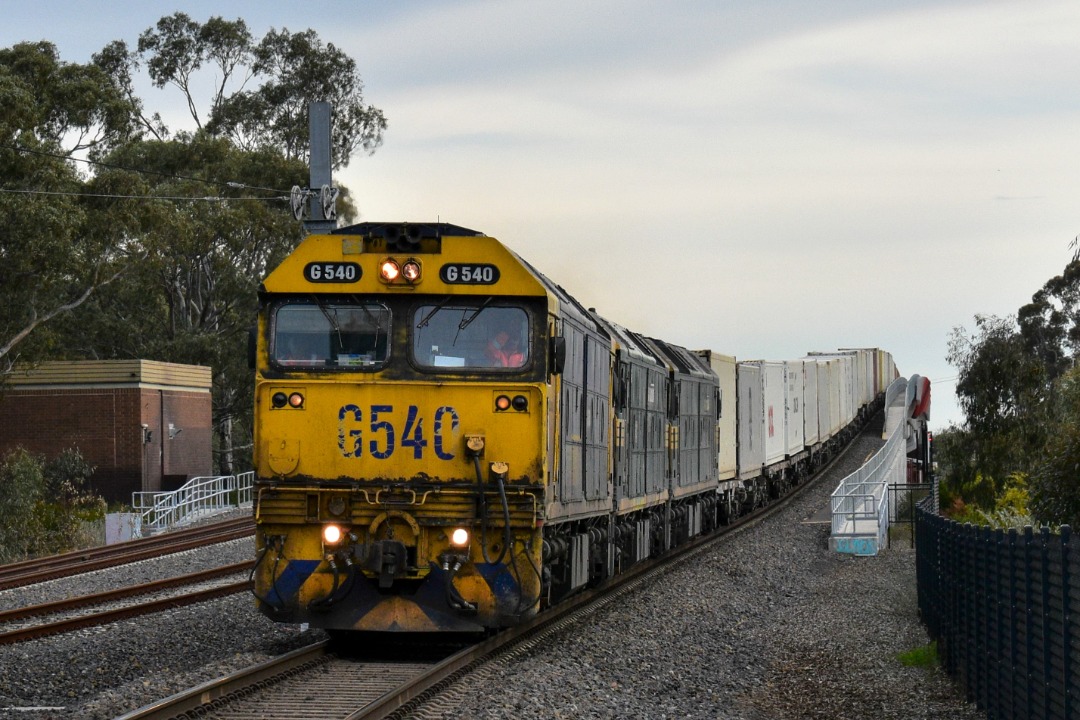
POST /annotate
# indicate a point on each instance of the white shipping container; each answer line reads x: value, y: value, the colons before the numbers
x: 794, y: 432
x: 863, y: 380
x: 830, y: 398
x: 864, y: 372
x: 751, y: 450
x: 772, y: 395
x: 810, y: 402
x: 849, y: 389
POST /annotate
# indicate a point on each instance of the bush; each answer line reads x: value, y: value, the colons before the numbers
x: 1054, y: 498
x: 21, y: 484
x: 45, y: 507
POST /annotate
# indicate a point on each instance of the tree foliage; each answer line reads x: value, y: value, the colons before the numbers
x: 1020, y: 393
x: 1002, y: 389
x: 295, y: 69
x: 45, y: 505
x: 51, y: 260
x: 192, y: 296
x: 1055, y: 482
x: 1049, y: 323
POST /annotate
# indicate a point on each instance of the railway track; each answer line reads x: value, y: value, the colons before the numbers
x: 285, y: 688
x: 314, y: 682
x: 12, y: 630
x: 80, y: 561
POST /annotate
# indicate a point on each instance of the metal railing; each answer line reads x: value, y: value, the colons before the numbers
x: 860, y: 504
x: 199, y: 497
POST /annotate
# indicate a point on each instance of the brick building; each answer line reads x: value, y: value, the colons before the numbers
x: 143, y: 425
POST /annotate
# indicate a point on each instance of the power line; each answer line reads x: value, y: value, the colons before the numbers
x: 57, y: 156
x: 142, y: 197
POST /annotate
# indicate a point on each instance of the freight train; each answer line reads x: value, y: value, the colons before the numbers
x: 447, y: 441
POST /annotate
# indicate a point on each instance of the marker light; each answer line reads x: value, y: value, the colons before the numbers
x: 460, y: 537
x: 520, y: 403
x: 279, y: 400
x: 411, y: 271
x: 296, y: 400
x: 502, y: 403
x: 389, y: 270
x: 332, y: 534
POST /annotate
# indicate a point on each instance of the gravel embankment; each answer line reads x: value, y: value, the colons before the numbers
x: 768, y: 625
x: 107, y: 671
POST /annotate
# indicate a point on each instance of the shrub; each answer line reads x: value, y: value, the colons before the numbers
x: 45, y: 507
x: 21, y: 489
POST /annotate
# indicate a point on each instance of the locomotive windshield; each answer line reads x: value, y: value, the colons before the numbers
x: 480, y: 335
x: 331, y: 335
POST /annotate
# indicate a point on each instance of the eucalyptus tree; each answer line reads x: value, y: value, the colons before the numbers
x: 1003, y: 390
x: 1055, y: 483
x: 260, y: 89
x: 51, y: 257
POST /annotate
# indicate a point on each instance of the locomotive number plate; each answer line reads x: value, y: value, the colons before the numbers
x: 469, y: 274
x: 387, y: 430
x: 332, y: 272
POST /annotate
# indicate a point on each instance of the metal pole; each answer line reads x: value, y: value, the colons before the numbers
x: 321, y: 183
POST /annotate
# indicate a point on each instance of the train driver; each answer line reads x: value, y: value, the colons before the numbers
x: 504, y: 350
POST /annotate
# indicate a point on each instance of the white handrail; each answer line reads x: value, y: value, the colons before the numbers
x: 198, y: 497
x: 860, y: 504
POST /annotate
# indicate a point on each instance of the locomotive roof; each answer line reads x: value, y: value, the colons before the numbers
x: 423, y: 229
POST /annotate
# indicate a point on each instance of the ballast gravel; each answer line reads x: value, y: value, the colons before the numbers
x: 103, y: 672
x: 768, y: 624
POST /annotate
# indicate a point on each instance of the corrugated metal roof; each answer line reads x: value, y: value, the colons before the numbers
x: 112, y: 372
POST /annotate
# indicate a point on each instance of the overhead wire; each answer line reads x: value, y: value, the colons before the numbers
x: 229, y: 184
x: 208, y: 198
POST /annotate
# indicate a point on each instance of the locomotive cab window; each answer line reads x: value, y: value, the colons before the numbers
x: 331, y: 335
x: 471, y: 336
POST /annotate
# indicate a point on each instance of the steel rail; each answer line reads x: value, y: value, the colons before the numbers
x: 235, y: 683
x: 56, y: 566
x: 100, y: 598
x: 109, y: 616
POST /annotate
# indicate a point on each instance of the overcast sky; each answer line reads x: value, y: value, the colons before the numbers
x: 761, y: 178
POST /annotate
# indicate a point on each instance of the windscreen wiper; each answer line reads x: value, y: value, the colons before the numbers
x: 465, y: 322
x: 427, y: 318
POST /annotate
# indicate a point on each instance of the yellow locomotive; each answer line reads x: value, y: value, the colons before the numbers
x: 426, y: 403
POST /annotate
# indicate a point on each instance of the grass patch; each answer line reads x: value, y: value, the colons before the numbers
x: 923, y: 656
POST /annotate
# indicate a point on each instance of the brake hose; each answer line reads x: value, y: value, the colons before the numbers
x: 484, y: 515
x: 273, y: 574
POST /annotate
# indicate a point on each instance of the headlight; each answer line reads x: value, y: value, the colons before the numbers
x: 332, y: 534
x: 389, y: 270
x: 411, y: 271
x: 459, y: 537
